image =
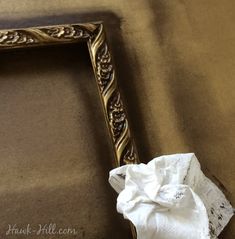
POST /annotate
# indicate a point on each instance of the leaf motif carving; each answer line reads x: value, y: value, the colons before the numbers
x: 16, y: 37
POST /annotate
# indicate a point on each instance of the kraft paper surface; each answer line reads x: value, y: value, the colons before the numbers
x: 175, y: 66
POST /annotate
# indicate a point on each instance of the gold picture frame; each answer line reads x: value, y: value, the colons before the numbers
x: 93, y: 34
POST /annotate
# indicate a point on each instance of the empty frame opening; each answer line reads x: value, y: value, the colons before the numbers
x: 55, y: 152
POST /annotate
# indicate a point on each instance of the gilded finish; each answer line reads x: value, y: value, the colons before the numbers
x: 114, y: 110
x: 21, y: 38
x: 94, y: 35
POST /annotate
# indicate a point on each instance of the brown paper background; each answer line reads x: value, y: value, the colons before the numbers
x: 55, y: 151
x: 175, y: 62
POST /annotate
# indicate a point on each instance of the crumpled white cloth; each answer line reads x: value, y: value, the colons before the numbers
x: 170, y: 198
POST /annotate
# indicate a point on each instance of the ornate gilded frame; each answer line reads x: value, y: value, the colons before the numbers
x: 93, y: 33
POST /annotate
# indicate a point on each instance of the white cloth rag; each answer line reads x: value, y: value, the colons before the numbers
x: 170, y: 198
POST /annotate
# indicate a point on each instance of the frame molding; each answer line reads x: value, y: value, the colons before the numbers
x: 93, y: 33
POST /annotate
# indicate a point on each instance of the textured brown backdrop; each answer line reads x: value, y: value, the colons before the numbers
x: 175, y: 62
